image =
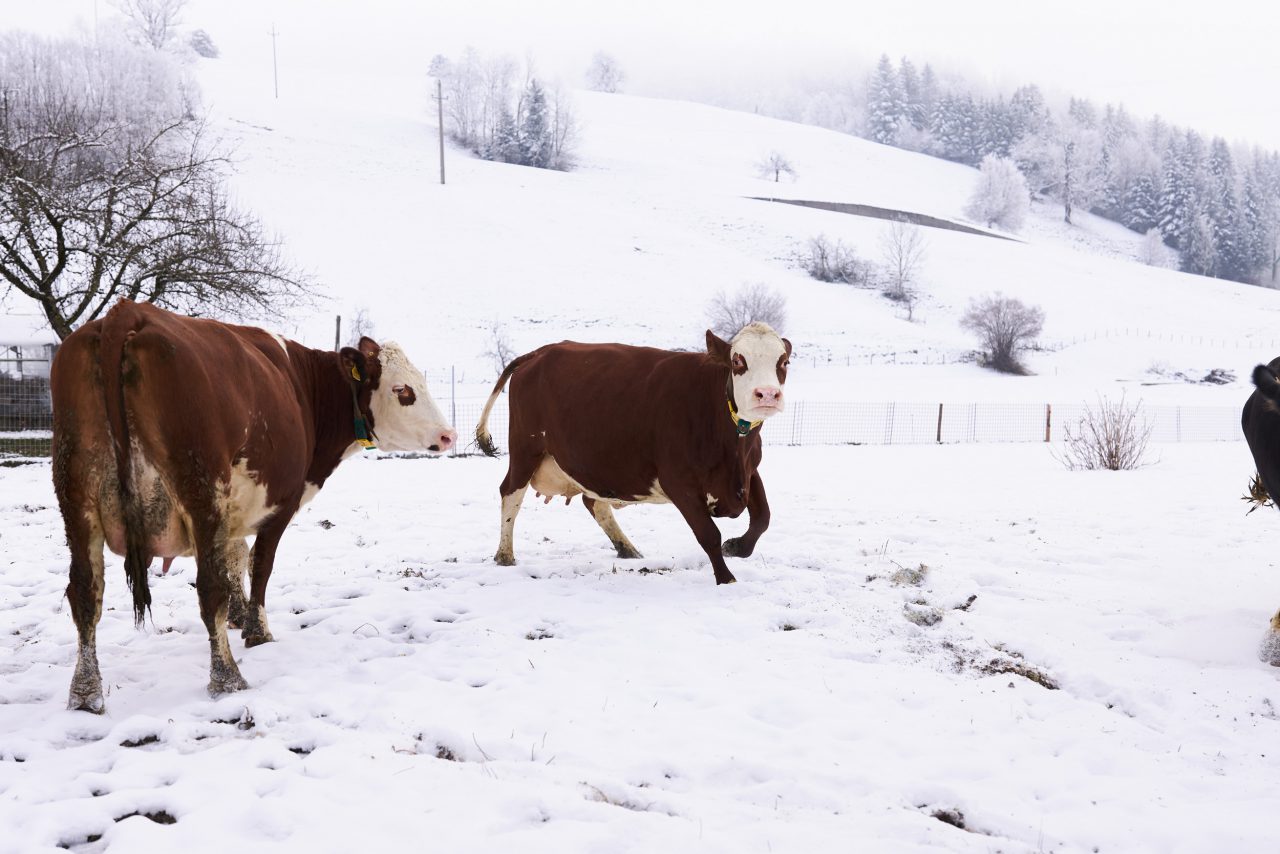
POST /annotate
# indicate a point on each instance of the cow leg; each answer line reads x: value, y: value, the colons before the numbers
x: 505, y: 555
x: 264, y: 558
x: 215, y: 557
x: 1270, y: 649
x: 84, y: 593
x: 694, y: 510
x: 237, y: 603
x: 758, y: 509
x: 603, y: 514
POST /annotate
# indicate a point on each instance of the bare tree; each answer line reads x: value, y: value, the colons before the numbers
x: 1005, y: 326
x: 903, y: 246
x: 775, y: 165
x: 152, y: 22
x: 104, y: 196
x: 500, y: 351
x: 604, y: 74
x: 727, y: 314
x: 361, y: 327
x: 1114, y: 437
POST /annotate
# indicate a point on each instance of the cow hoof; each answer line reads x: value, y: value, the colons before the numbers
x: 735, y: 548
x: 92, y: 703
x: 504, y: 559
x: 726, y: 579
x: 1269, y: 649
x: 628, y: 553
x: 218, y: 687
x: 257, y: 640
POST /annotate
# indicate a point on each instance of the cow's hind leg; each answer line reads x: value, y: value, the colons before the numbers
x: 521, y: 465
x: 603, y: 514
x: 215, y: 558
x: 1269, y: 651
x: 84, y: 593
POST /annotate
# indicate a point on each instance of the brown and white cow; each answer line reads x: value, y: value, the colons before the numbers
x: 629, y: 425
x: 1261, y: 423
x: 178, y: 436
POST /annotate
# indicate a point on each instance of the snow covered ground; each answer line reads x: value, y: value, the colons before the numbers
x: 417, y: 695
x: 835, y: 699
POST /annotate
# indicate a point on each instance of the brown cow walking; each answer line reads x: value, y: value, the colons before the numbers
x: 627, y: 425
x: 1261, y: 423
x: 177, y: 436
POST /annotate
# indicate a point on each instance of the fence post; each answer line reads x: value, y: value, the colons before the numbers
x: 1048, y: 420
x: 939, y: 423
x: 453, y: 399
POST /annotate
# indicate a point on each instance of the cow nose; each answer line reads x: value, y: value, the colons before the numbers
x: 447, y: 439
x: 769, y: 396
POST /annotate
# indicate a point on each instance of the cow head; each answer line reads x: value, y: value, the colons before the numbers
x: 403, y: 413
x: 757, y: 359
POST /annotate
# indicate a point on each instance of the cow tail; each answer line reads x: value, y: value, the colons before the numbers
x: 115, y: 361
x: 1266, y: 381
x: 483, y: 439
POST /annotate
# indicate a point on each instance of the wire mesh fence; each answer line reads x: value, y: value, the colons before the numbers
x: 26, y: 417
x: 26, y: 410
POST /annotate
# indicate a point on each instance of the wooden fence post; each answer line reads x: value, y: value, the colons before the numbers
x: 1048, y: 420
x: 939, y: 423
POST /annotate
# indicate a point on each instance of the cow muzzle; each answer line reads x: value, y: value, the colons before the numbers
x: 444, y: 441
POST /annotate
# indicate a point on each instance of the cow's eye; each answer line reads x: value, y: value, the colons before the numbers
x: 404, y: 394
x: 739, y: 363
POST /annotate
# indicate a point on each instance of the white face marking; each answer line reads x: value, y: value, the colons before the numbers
x: 760, y: 348
x: 413, y: 427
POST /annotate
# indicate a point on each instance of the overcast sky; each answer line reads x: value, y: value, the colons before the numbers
x: 1214, y: 66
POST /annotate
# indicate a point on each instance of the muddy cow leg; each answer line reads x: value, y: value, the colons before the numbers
x: 264, y: 557
x: 84, y: 593
x: 758, y: 509
x: 237, y: 603
x: 694, y: 510
x: 1270, y: 649
x: 603, y: 514
x: 215, y: 554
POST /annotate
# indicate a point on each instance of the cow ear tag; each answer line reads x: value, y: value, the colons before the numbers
x: 363, y: 438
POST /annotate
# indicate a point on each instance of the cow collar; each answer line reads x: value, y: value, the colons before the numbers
x: 741, y: 424
x: 365, y: 437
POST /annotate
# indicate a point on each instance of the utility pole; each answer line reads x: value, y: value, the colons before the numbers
x: 337, y: 332
x: 440, y: 119
x: 275, y: 69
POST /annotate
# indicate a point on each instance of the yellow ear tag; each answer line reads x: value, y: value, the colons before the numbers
x: 355, y: 373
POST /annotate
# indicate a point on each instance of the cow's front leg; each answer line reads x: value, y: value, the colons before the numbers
x: 695, y: 512
x: 1269, y: 651
x: 237, y: 602
x: 758, y: 510
x: 254, y: 630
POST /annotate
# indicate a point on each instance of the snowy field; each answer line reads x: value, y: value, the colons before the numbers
x: 417, y: 696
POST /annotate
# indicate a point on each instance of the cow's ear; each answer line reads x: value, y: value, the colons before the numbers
x: 717, y: 347
x: 369, y: 347
x: 787, y: 344
x: 354, y: 365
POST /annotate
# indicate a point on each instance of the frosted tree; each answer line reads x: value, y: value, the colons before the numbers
x: 1153, y: 252
x: 903, y: 248
x: 1005, y: 326
x: 886, y: 108
x: 1000, y: 197
x: 1199, y: 251
x: 1140, y: 204
x: 152, y: 22
x: 604, y: 74
x: 774, y: 165
x: 1064, y: 162
x: 1222, y: 206
x: 535, y: 129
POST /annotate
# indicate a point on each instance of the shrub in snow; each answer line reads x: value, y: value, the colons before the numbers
x: 1113, y: 436
x: 833, y: 261
x: 604, y: 74
x: 727, y: 315
x: 1153, y: 251
x: 1000, y: 198
x: 1005, y: 326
